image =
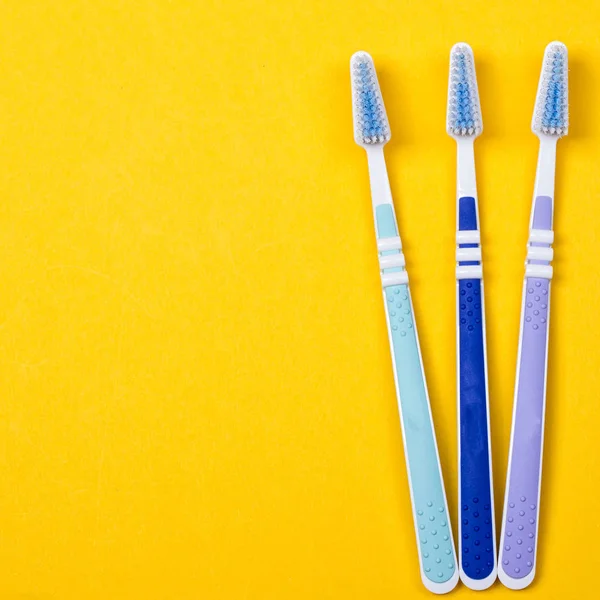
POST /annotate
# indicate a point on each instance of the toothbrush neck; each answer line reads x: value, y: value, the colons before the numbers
x: 544, y: 179
x: 380, y: 185
x: 466, y: 184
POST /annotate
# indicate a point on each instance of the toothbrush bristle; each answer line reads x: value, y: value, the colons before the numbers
x: 371, y: 124
x: 463, y: 117
x: 551, y: 114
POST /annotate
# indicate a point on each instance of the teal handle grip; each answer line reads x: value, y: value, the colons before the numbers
x: 430, y: 510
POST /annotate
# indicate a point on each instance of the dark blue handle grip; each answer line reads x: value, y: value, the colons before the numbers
x: 476, y: 527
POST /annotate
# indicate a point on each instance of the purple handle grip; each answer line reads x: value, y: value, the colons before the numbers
x: 518, y: 550
x: 520, y: 528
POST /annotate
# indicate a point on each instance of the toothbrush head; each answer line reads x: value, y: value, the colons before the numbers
x: 371, y: 126
x: 551, y: 113
x: 463, y: 117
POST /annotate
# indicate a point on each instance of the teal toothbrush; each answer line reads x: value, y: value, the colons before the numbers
x: 437, y: 557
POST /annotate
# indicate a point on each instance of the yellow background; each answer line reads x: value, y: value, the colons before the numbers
x: 196, y: 396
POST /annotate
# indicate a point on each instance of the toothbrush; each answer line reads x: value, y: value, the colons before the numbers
x: 435, y: 545
x: 476, y: 527
x: 520, y: 521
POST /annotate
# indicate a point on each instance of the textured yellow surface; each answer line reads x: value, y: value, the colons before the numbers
x: 196, y: 396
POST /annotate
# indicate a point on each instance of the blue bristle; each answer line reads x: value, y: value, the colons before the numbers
x: 371, y: 125
x: 464, y: 116
x: 554, y: 95
x: 551, y: 114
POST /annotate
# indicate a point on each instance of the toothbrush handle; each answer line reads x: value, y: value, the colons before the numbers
x: 520, y: 520
x: 430, y: 510
x: 476, y: 525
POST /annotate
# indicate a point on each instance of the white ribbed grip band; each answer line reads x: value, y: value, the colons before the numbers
x: 469, y: 272
x: 468, y: 254
x: 540, y: 253
x: 389, y: 243
x: 392, y: 260
x: 469, y: 236
x: 541, y: 271
x: 541, y: 236
x: 388, y: 279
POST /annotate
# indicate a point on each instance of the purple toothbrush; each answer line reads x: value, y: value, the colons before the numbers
x: 518, y: 548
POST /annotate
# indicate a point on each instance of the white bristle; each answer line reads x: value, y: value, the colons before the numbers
x: 371, y: 124
x: 463, y: 116
x: 551, y: 113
